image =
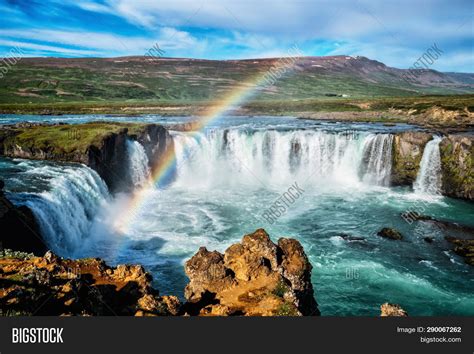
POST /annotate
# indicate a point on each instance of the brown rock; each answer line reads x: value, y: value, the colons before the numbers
x: 392, y: 310
x: 45, y: 286
x: 255, y: 278
x: 208, y: 272
x: 390, y: 233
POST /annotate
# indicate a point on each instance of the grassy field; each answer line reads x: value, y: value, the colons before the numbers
x: 417, y: 105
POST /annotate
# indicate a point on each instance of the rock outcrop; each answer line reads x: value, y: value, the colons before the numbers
x: 407, y: 152
x: 392, y: 310
x: 19, y: 228
x: 457, y: 166
x: 458, y: 237
x: 99, y: 145
x: 51, y: 285
x: 457, y: 154
x: 463, y: 248
x: 254, y: 278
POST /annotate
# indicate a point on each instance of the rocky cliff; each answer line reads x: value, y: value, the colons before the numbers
x: 101, y: 146
x: 407, y: 152
x: 457, y: 166
x: 19, y: 228
x: 392, y: 310
x: 109, y: 157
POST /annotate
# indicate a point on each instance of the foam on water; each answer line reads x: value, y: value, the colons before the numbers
x: 66, y: 211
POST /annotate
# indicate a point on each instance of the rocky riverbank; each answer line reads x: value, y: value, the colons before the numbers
x: 255, y: 277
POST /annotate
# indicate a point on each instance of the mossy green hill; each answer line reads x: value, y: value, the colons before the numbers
x: 168, y: 80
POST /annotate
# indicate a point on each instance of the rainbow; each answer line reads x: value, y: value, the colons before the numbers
x: 167, y: 163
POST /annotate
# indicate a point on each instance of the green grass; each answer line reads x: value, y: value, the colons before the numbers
x: 287, y: 309
x: 67, y: 139
x: 276, y: 107
x: 123, y: 80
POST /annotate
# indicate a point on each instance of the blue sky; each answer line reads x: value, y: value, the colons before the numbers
x: 394, y: 32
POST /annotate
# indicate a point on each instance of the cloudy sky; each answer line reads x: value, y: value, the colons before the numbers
x: 394, y: 32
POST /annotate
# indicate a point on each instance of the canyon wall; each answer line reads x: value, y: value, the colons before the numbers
x: 457, y: 166
x: 456, y: 153
x: 408, y: 150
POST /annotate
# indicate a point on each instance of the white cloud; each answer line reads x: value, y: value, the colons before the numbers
x: 167, y: 38
x: 47, y: 48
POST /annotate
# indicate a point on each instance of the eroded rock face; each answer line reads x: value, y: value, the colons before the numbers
x: 254, y: 277
x: 108, y: 156
x: 407, y: 152
x: 110, y: 159
x: 392, y: 310
x: 457, y: 166
x: 51, y: 285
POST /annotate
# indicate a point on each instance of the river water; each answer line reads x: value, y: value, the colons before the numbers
x: 229, y: 174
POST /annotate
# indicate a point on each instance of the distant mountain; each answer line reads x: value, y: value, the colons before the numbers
x: 164, y: 79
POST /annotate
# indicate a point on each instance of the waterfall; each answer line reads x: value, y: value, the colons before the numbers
x: 66, y: 210
x: 428, y: 180
x: 269, y: 157
x: 377, y: 159
x: 138, y: 163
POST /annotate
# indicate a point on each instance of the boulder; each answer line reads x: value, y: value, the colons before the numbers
x: 390, y: 233
x: 463, y: 248
x: 255, y: 277
x: 392, y: 310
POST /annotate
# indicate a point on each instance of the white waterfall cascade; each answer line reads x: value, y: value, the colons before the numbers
x: 66, y: 211
x: 223, y: 159
x: 138, y: 163
x: 377, y: 158
x: 428, y: 180
x: 281, y: 157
